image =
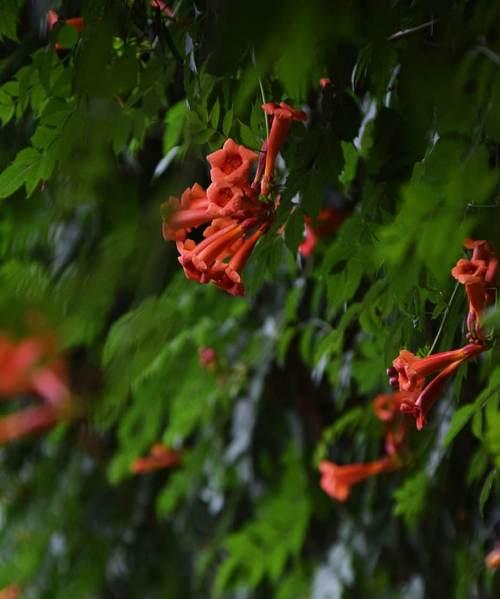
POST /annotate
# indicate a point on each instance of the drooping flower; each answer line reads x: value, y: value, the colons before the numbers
x: 283, y: 115
x: 492, y: 560
x: 413, y: 373
x: 337, y: 480
x: 478, y: 275
x: 412, y: 370
x: 232, y: 163
x: 159, y: 457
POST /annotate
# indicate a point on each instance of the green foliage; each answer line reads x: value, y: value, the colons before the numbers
x: 404, y: 143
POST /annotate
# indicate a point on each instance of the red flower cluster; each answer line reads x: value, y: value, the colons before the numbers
x: 410, y: 374
x: 478, y: 276
x: 230, y: 208
x: 159, y: 457
x: 32, y: 366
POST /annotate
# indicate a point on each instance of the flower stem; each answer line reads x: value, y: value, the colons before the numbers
x: 443, y: 321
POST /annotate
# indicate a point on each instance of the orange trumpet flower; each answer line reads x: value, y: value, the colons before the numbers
x: 283, y: 115
x: 337, y: 481
x: 159, y: 457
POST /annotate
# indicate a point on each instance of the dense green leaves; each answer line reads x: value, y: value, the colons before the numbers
x: 402, y: 145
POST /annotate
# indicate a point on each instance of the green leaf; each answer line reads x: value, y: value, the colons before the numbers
x: 486, y: 490
x: 248, y: 137
x: 410, y: 498
x: 294, y: 232
x: 458, y: 421
x: 67, y: 36
x: 174, y: 123
x: 9, y: 10
x: 227, y: 122
x: 24, y: 170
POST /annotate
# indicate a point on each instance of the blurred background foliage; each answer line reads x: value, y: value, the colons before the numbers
x: 94, y: 137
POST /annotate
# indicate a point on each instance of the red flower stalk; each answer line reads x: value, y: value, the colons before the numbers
x: 328, y: 221
x: 337, y: 481
x: 283, y: 115
x: 477, y: 274
x: 412, y: 371
x: 492, y: 560
x: 159, y: 457
x: 231, y: 163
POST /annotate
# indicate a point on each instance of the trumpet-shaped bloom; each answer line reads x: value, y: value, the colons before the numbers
x: 337, y: 480
x: 159, y: 457
x: 180, y: 216
x: 283, y: 115
x: 478, y: 275
x: 232, y: 163
x: 412, y: 371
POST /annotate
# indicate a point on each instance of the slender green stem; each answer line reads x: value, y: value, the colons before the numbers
x: 263, y: 95
x: 443, y: 321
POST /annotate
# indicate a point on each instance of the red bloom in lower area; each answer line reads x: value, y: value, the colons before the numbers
x: 232, y: 163
x: 31, y: 420
x: 31, y: 366
x: 13, y: 591
x: 208, y: 357
x: 328, y: 221
x: 337, y: 481
x: 159, y: 457
x: 283, y: 115
x: 492, y: 560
